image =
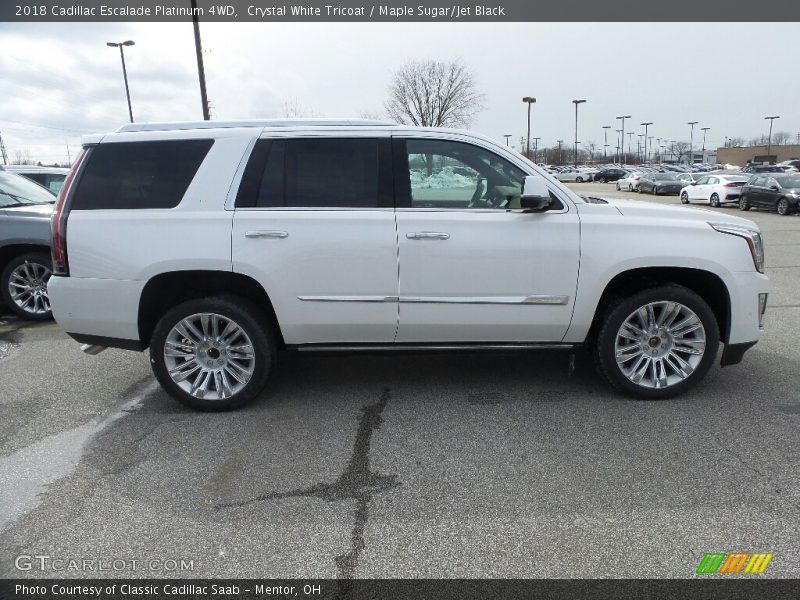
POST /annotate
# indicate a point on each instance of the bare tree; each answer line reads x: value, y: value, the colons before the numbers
x: 678, y: 149
x: 294, y: 109
x: 374, y: 115
x: 736, y: 142
x: 430, y: 93
x: 23, y: 157
x: 781, y: 138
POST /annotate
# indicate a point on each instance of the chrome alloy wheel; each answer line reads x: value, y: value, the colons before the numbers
x: 209, y: 356
x: 660, y: 344
x: 27, y: 286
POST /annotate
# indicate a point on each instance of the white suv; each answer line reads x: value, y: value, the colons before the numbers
x: 219, y: 244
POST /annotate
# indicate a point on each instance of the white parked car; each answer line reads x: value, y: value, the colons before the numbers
x: 630, y: 182
x: 714, y: 189
x: 573, y: 174
x: 219, y: 245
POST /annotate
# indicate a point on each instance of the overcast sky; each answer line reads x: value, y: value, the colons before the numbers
x: 59, y: 81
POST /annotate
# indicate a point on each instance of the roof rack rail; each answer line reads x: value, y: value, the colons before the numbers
x: 169, y: 126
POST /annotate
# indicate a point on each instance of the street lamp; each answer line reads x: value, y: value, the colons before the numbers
x: 605, y: 140
x: 529, y: 100
x: 576, y: 103
x: 646, y: 125
x: 124, y: 70
x: 622, y: 118
x: 691, y: 142
x: 703, y: 151
x: 507, y: 135
x: 769, y: 147
x: 619, y: 137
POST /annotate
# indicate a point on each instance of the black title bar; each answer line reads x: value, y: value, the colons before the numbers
x: 254, y: 11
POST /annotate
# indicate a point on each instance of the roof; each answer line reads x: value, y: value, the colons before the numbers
x: 168, y: 126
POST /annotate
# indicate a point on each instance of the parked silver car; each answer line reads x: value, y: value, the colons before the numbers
x: 25, y: 263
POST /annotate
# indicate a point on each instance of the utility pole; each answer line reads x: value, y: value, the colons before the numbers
x: 535, y: 147
x: 507, y: 135
x: 622, y: 118
x: 560, y: 154
x: 201, y: 71
x: 605, y: 140
x: 630, y: 141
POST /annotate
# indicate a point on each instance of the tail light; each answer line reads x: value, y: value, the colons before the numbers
x: 58, y: 223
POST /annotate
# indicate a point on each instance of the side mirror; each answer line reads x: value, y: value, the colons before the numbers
x: 774, y: 188
x: 535, y: 195
x: 694, y: 183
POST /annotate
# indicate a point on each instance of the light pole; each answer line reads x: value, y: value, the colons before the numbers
x: 605, y: 140
x: 560, y: 154
x: 622, y: 118
x: 619, y: 154
x: 507, y: 136
x: 124, y: 70
x: 769, y: 146
x: 529, y: 100
x: 535, y: 147
x: 630, y: 141
x: 576, y: 103
x: 640, y: 148
x: 646, y: 125
x: 691, y: 142
x: 703, y: 151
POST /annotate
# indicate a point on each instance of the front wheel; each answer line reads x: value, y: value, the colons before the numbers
x: 24, y: 286
x: 605, y: 180
x: 617, y: 186
x: 714, y: 200
x: 657, y: 343
x: 213, y: 354
x: 743, y: 203
x: 783, y: 207
x: 684, y: 198
x: 579, y: 180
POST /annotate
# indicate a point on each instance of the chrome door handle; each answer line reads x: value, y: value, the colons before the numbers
x: 427, y: 235
x: 266, y: 234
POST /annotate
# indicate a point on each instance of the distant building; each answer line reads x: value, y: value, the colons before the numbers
x: 741, y: 155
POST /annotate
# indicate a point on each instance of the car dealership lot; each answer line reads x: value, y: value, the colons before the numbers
x: 477, y: 465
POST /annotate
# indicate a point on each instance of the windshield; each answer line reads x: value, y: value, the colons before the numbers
x: 16, y: 190
x: 789, y: 182
x: 664, y: 177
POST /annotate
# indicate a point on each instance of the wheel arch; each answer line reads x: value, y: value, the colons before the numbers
x: 9, y: 251
x: 165, y: 290
x: 706, y: 284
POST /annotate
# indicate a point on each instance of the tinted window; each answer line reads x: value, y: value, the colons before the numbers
x: 317, y: 173
x: 139, y: 174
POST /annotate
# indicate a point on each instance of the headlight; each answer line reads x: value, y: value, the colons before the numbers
x: 753, y: 238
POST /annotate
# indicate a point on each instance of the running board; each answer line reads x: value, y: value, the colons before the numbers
x: 411, y: 347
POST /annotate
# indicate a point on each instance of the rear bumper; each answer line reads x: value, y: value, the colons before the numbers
x: 90, y: 308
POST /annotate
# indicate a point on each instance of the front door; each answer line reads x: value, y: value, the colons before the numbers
x: 314, y: 225
x: 473, y: 266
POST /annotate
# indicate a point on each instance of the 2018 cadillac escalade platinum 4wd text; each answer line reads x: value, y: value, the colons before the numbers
x: 218, y: 244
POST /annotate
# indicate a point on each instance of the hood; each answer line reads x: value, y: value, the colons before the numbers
x: 637, y: 208
x: 42, y: 211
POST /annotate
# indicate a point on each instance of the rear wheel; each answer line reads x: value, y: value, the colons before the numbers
x: 605, y: 180
x: 743, y: 203
x: 657, y: 343
x: 213, y: 354
x: 618, y: 186
x: 783, y: 207
x: 684, y: 198
x: 714, y: 200
x: 24, y: 286
x: 579, y: 179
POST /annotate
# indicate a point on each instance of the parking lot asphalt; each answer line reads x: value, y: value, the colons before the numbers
x: 445, y: 465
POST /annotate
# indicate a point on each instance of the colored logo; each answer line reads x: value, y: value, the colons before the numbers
x: 734, y: 562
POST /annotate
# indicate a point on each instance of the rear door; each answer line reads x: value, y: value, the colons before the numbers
x: 314, y: 224
x: 473, y: 266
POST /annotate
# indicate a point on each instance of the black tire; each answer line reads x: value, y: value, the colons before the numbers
x: 743, y: 203
x: 579, y: 179
x: 630, y: 187
x: 684, y: 198
x: 39, y: 259
x: 714, y: 200
x: 615, y: 316
x: 655, y: 191
x: 618, y: 186
x: 783, y: 207
x: 605, y: 180
x: 249, y: 318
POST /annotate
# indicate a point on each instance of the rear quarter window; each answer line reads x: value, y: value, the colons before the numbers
x: 129, y: 175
